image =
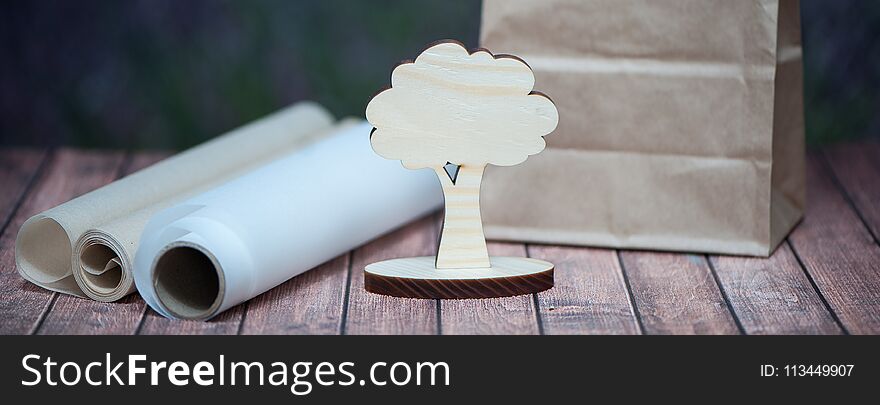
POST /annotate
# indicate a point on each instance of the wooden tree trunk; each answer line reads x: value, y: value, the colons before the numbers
x: 462, y: 244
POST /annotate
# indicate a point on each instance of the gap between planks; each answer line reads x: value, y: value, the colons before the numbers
x: 374, y: 314
x: 836, y: 247
x: 676, y: 293
x: 590, y: 295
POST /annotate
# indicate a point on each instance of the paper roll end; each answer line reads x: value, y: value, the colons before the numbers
x: 101, y: 267
x: 188, y: 281
x: 43, y: 250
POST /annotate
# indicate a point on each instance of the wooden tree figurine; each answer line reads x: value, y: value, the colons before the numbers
x: 455, y: 112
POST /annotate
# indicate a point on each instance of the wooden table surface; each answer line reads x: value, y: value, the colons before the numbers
x: 824, y: 279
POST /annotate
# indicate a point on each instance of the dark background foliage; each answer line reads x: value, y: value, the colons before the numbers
x: 169, y: 74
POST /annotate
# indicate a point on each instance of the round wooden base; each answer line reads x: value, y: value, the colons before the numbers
x: 416, y: 277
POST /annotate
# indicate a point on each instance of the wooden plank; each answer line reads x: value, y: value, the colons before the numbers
x: 369, y: 313
x: 677, y: 294
x: 69, y: 173
x: 773, y: 296
x: 18, y: 167
x: 590, y: 296
x: 839, y: 253
x: 495, y: 316
x: 311, y: 303
x: 82, y: 316
x: 227, y: 323
x: 72, y: 315
x: 857, y: 167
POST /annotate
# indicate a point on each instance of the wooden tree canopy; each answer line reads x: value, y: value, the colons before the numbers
x: 464, y: 108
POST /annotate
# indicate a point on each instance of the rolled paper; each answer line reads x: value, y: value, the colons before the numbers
x: 86, y: 246
x: 229, y: 244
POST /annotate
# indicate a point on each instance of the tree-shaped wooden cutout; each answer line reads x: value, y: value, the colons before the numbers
x: 455, y: 112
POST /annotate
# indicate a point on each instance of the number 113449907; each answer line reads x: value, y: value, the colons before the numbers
x: 807, y: 370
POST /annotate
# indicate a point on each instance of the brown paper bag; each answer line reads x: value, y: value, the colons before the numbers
x: 681, y: 124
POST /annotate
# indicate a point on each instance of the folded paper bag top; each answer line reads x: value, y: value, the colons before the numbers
x: 85, y: 247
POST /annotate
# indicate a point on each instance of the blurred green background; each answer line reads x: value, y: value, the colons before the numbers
x: 170, y: 74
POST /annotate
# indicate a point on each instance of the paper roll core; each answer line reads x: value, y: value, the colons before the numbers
x: 188, y: 282
x: 100, y: 268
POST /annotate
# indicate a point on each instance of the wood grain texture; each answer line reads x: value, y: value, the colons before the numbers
x: 496, y: 316
x: 590, y: 296
x: 82, y: 316
x: 369, y: 313
x: 69, y: 173
x: 839, y: 253
x: 857, y: 167
x: 74, y: 315
x: 677, y: 294
x: 773, y: 296
x: 462, y: 242
x: 482, y: 110
x: 309, y: 304
x: 506, y: 282
x: 227, y: 323
x: 18, y: 167
x: 416, y: 277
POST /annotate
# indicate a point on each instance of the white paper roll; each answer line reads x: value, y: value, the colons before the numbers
x: 232, y: 243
